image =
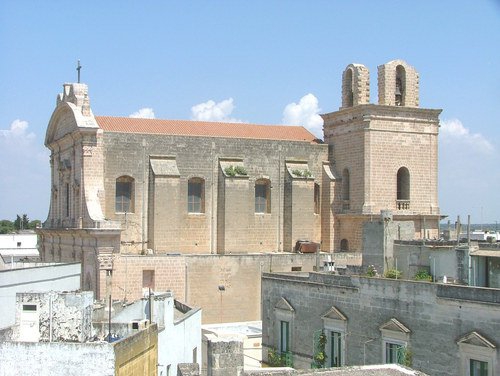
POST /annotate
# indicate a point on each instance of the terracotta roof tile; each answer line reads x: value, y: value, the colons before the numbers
x: 205, y: 129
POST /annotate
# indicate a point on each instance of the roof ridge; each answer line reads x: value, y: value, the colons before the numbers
x: 206, y: 128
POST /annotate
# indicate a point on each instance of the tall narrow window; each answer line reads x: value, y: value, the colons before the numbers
x: 348, y: 87
x: 317, y: 202
x: 67, y: 199
x: 262, y: 196
x: 403, y: 189
x: 284, y: 336
x: 124, y: 197
x: 400, y: 86
x: 196, y: 199
x: 346, y: 185
x: 335, y: 349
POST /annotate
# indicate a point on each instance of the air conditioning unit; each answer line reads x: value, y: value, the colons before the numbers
x: 139, y: 324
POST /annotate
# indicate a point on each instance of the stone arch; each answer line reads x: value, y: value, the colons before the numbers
x: 394, y: 76
x: 355, y: 85
x: 399, y: 91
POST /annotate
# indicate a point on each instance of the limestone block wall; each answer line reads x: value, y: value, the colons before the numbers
x: 409, y: 78
x: 300, y: 222
x: 138, y: 353
x: 424, y: 308
x: 196, y: 279
x: 129, y: 154
x: 355, y: 85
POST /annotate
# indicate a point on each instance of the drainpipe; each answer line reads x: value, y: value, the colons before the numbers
x: 50, y: 317
x: 144, y: 197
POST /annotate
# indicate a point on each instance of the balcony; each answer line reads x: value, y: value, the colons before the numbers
x: 403, y: 204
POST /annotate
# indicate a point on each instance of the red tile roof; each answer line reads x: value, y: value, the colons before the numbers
x: 204, y: 128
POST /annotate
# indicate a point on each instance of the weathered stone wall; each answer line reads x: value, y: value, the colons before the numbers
x: 47, y: 277
x: 176, y: 230
x: 58, y: 359
x: 225, y: 357
x: 196, y: 279
x: 425, y: 308
x: 61, y: 316
x: 138, y: 353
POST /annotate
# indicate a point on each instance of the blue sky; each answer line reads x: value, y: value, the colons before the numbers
x: 261, y: 62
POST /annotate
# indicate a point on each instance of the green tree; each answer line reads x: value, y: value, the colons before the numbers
x: 34, y: 224
x: 6, y: 226
x: 22, y: 223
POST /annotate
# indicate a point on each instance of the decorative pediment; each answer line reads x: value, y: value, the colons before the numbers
x: 334, y: 314
x: 284, y: 305
x: 164, y: 166
x: 476, y: 339
x: 394, y: 325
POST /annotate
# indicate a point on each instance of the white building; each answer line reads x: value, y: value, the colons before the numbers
x: 16, y: 246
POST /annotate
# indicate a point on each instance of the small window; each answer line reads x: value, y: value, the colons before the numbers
x: 18, y: 244
x: 124, y: 196
x: 296, y: 268
x: 29, y: 307
x: 284, y: 336
x: 478, y: 368
x: 317, y: 202
x: 195, y: 355
x: 394, y: 353
x: 196, y: 198
x: 344, y: 245
x: 262, y: 196
x: 148, y: 279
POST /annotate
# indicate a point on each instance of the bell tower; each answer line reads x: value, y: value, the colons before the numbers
x: 384, y: 154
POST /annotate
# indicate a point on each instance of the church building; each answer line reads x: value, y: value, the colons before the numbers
x: 150, y: 186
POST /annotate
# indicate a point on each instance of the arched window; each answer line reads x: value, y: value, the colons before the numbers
x: 196, y: 195
x: 344, y: 245
x: 124, y: 195
x: 400, y: 92
x: 263, y: 196
x: 349, y: 93
x: 403, y: 190
x: 317, y: 201
x: 346, y: 185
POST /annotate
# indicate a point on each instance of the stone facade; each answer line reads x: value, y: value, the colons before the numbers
x: 145, y: 186
x: 376, y: 319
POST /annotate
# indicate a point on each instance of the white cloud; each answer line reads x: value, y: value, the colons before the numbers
x: 468, y: 173
x: 211, y: 111
x: 454, y: 132
x: 17, y: 132
x: 144, y: 113
x: 25, y: 172
x: 305, y: 113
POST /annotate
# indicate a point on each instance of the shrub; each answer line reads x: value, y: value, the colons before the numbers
x: 371, y: 271
x: 392, y: 273
x: 423, y: 275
